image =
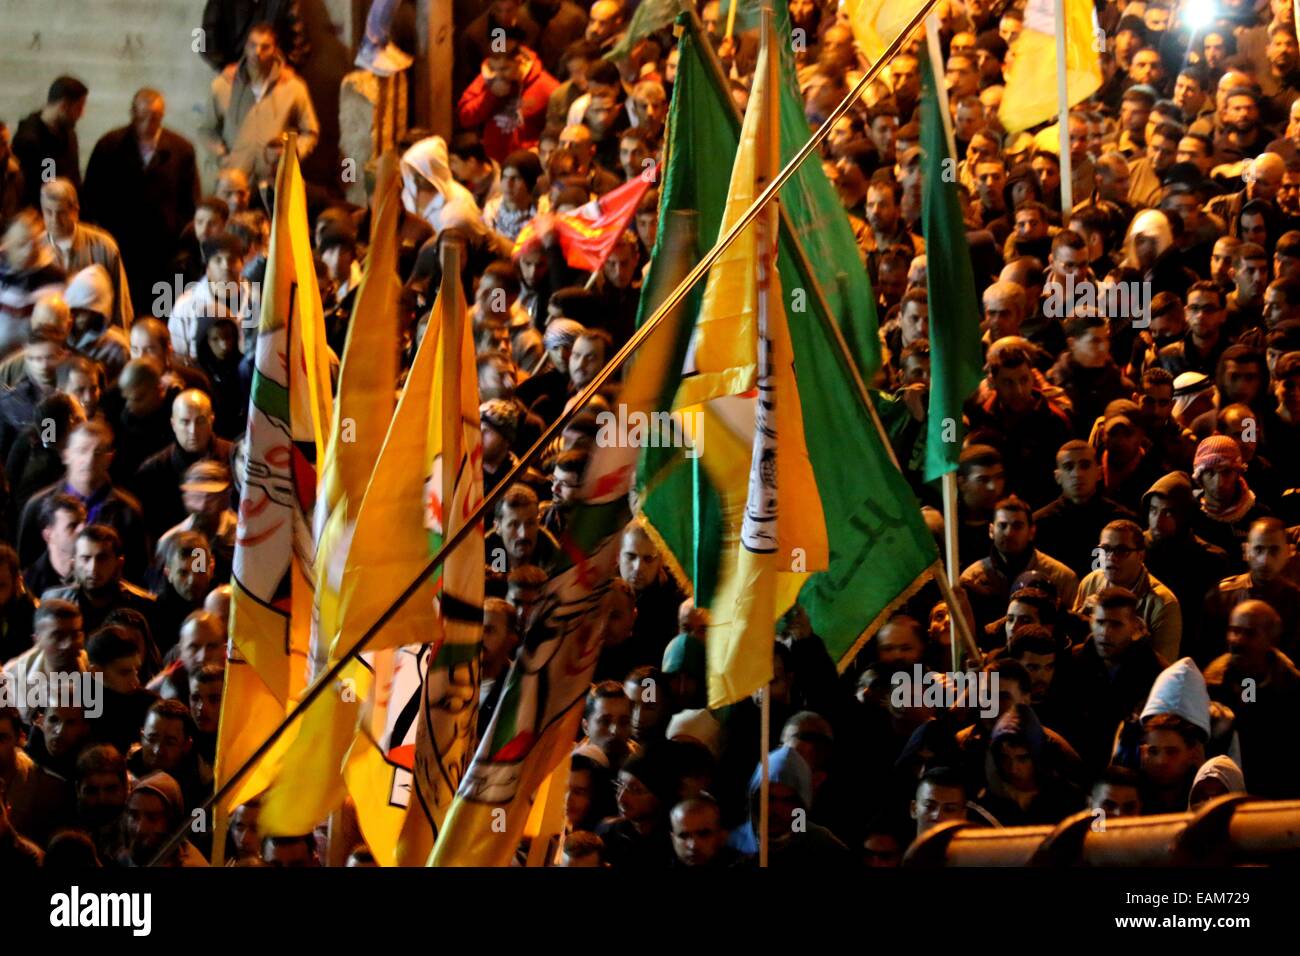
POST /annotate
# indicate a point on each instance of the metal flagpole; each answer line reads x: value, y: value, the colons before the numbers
x: 1063, y: 105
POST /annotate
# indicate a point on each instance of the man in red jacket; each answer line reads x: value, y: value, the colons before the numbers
x: 507, y: 101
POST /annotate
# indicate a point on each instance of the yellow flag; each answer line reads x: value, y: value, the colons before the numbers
x: 309, y: 782
x: 291, y: 405
x: 768, y: 550
x: 875, y: 23
x: 1031, y: 95
x: 417, y: 731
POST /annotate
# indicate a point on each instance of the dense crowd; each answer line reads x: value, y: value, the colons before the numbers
x: 1129, y: 486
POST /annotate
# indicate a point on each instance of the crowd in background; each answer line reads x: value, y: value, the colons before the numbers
x: 1129, y: 487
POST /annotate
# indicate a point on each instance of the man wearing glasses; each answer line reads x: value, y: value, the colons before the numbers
x: 1119, y: 561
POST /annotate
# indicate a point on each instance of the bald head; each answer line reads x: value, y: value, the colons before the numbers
x: 1264, y: 175
x: 141, y: 386
x: 51, y: 311
x: 192, y: 421
x: 1253, y: 630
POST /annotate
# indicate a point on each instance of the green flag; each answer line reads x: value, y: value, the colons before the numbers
x: 956, y: 365
x: 650, y: 17
x: 880, y: 547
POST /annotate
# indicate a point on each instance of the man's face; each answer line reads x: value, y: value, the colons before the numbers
x: 60, y: 641
x: 234, y: 192
x: 882, y: 210
x: 639, y: 561
x: 898, y: 644
x: 1167, y: 759
x: 585, y: 361
x: 147, y: 117
x: 205, y: 705
x: 60, y: 217
x: 1241, y: 381
x: 605, y: 20
x: 199, y: 645
x: 1241, y: 115
x: 1011, y: 532
x: 633, y: 157
x: 1003, y: 314
x: 1092, y: 349
x: 565, y: 486
x: 1188, y: 95
x: 1157, y: 402
x: 1014, y: 387
x: 962, y: 78
x: 1221, y: 262
x: 970, y: 120
x: 61, y: 536
x: 42, y: 360
x: 1221, y: 484
x: 1067, y: 261
x: 123, y: 675
x: 610, y: 725
x: 95, y: 564
x: 892, y: 281
x: 697, y: 834
x: 1205, y: 316
x: 338, y: 263
x: 1116, y: 800
x: 882, y: 132
x: 163, y: 743
x: 1162, y: 151
x: 192, y: 425
x: 1121, y: 560
x: 620, y: 265
x: 519, y: 528
x: 990, y: 180
x: 1030, y: 225
x: 260, y: 49
x: 1019, y: 614
x: 146, y: 824
x: 1254, y: 228
x: 1077, y: 474
x: 906, y: 73
x: 243, y: 830
x: 65, y: 730
x: 1041, y: 668
x: 1267, y: 553
x: 1112, y: 631
x: 190, y: 574
x: 982, y: 488
x: 914, y: 321
x: 1146, y: 67
x: 619, y: 618
x: 207, y: 224
x: 1248, y: 638
x: 100, y: 797
x: 936, y: 804
x: 1282, y: 52
x: 636, y: 802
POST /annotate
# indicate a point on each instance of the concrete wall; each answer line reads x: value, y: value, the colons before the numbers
x: 117, y: 46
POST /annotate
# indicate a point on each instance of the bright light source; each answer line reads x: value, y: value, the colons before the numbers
x: 1199, y: 14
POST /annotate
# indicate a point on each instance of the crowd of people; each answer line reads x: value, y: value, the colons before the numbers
x: 1128, y: 488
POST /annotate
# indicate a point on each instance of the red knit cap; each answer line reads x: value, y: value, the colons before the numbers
x: 1217, y: 451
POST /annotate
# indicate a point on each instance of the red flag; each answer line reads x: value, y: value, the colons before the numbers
x: 589, y: 233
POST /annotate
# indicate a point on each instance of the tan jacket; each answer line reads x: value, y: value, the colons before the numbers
x: 1156, y: 605
x: 239, y: 126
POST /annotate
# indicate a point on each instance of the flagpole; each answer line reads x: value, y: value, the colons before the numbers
x: 579, y: 401
x: 950, y: 515
x: 1063, y: 104
x: 765, y: 742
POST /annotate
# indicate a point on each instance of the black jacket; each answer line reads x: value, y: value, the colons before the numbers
x: 144, y: 207
x: 111, y: 506
x: 34, y: 143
